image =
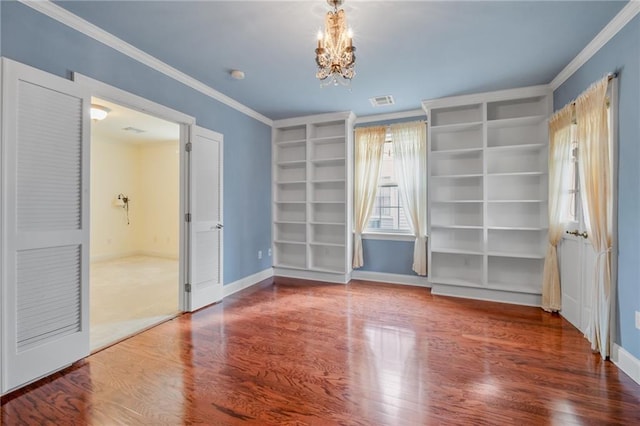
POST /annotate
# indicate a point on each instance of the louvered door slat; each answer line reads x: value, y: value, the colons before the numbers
x: 49, y: 163
x: 46, y: 211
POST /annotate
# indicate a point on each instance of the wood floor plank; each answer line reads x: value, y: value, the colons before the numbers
x: 291, y: 352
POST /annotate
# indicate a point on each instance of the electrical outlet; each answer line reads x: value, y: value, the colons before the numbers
x: 269, y: 252
x: 638, y: 320
x: 259, y: 254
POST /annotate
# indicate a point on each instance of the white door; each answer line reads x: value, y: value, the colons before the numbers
x: 205, y: 207
x: 45, y: 223
x: 576, y: 263
x: 577, y: 259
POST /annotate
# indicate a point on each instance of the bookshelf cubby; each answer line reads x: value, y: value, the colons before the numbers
x: 312, y: 196
x: 488, y: 193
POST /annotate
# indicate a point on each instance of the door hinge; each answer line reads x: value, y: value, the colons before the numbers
x: 188, y: 146
x: 187, y: 217
x: 187, y: 288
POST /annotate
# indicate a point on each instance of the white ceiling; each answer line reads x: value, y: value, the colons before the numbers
x: 112, y: 128
x: 413, y: 50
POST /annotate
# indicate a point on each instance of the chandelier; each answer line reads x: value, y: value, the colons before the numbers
x: 335, y: 52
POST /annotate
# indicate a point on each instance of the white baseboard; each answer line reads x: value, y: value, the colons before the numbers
x: 158, y: 254
x: 246, y: 282
x: 486, y: 294
x: 121, y: 255
x: 626, y: 362
x: 312, y: 275
x: 114, y: 256
x: 384, y: 277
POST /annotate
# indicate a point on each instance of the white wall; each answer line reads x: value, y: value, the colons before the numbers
x: 114, y: 168
x: 149, y: 175
x: 158, y: 187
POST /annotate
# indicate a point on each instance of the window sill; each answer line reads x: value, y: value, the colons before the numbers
x: 390, y: 236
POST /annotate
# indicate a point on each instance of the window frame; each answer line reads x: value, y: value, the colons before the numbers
x: 576, y: 221
x: 389, y: 234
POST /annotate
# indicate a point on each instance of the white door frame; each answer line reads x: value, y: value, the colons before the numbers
x: 138, y: 103
x: 586, y: 253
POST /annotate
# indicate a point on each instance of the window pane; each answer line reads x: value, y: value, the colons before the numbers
x: 388, y: 213
x: 570, y: 215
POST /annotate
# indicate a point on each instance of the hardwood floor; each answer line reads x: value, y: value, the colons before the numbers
x: 295, y: 352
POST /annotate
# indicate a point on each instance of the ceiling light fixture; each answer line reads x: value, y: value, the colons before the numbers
x: 335, y: 52
x: 99, y: 112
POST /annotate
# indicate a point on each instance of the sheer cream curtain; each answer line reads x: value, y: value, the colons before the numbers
x: 596, y: 189
x: 369, y: 146
x: 410, y: 154
x: 559, y: 187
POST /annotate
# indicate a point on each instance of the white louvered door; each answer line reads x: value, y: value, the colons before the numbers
x: 205, y: 196
x: 45, y: 227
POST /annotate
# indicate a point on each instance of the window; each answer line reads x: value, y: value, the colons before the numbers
x: 571, y: 214
x: 388, y: 212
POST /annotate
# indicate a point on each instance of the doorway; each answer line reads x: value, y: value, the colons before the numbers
x: 135, y: 223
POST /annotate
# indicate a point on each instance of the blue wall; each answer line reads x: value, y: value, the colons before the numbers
x: 621, y: 54
x: 392, y: 257
x: 34, y: 39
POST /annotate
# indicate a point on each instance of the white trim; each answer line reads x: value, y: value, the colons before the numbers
x: 387, y: 278
x: 246, y: 282
x: 626, y: 362
x: 478, y: 98
x: 608, y: 32
x: 122, y: 255
x: 414, y: 113
x: 127, y: 99
x: 312, y: 119
x: 388, y: 236
x: 186, y: 122
x: 613, y: 133
x: 67, y: 18
x: 312, y: 275
x: 2, y: 227
x: 489, y: 295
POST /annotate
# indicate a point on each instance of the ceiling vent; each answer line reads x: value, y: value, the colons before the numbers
x: 133, y: 130
x: 382, y: 100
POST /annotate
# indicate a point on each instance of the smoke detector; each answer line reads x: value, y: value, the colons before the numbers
x: 237, y: 74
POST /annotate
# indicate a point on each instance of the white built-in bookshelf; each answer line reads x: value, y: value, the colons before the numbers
x: 312, y: 173
x: 488, y: 194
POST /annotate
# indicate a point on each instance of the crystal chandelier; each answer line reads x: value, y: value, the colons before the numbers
x: 335, y: 52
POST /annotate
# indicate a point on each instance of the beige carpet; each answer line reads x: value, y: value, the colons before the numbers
x: 130, y: 294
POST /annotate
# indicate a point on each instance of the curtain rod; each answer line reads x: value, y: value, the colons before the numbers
x: 610, y: 77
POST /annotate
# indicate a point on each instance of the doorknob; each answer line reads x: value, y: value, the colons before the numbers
x: 219, y: 226
x: 578, y: 233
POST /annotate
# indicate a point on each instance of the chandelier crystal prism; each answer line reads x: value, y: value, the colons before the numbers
x: 335, y: 55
